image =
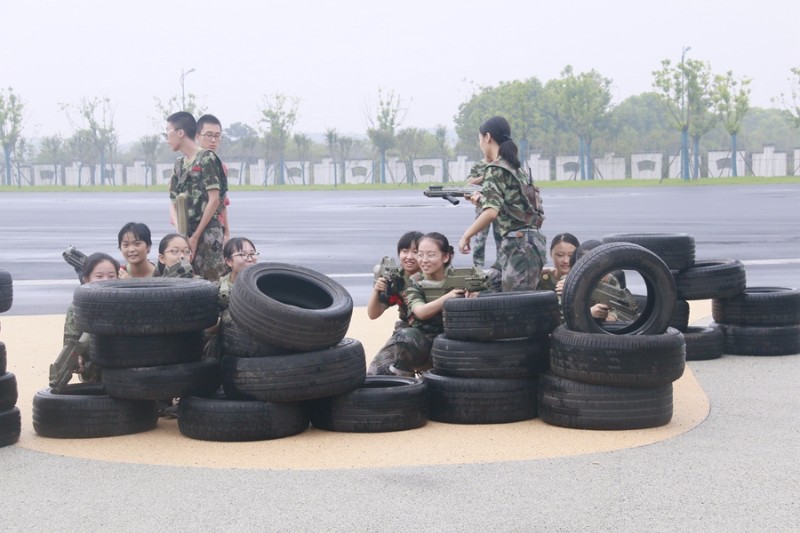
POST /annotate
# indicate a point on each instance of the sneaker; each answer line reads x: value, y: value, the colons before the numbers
x: 401, y: 372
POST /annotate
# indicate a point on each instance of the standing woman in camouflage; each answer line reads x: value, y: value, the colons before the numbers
x: 504, y: 200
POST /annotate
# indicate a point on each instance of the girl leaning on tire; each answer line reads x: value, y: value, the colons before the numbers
x: 521, y: 254
x: 411, y: 352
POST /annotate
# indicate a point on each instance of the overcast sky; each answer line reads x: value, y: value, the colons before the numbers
x: 335, y: 55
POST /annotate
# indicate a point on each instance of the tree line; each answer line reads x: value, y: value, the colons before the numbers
x: 571, y: 114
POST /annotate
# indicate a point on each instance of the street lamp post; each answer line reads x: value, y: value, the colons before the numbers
x: 183, y: 89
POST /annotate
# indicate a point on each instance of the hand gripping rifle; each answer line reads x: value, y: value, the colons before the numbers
x: 470, y: 278
x: 451, y: 194
x: 619, y: 301
x: 75, y: 258
x: 395, y: 282
x: 67, y: 362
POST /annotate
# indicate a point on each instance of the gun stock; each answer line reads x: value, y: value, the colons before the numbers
x: 395, y: 282
x: 451, y: 194
x: 182, y: 224
x: 619, y: 301
x: 471, y: 279
x: 67, y: 363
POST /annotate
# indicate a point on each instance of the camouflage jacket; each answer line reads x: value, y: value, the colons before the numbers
x: 196, y: 178
x: 414, y: 295
x: 502, y: 191
x: 71, y: 333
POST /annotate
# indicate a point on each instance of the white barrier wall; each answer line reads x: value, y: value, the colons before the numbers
x: 719, y: 164
x: 609, y: 168
x: 646, y: 166
x: 769, y: 163
x: 567, y: 168
x: 540, y: 167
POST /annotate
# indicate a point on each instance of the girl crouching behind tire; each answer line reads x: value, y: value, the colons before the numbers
x: 412, y: 347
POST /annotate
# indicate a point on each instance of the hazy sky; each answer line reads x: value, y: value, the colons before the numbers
x: 335, y: 55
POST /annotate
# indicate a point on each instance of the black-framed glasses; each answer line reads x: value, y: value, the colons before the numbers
x: 210, y: 136
x: 247, y: 257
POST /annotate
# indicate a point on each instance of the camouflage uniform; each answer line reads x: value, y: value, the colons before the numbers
x: 521, y: 254
x: 91, y: 373
x: 212, y: 340
x: 388, y: 353
x: 195, y: 178
x: 479, y: 248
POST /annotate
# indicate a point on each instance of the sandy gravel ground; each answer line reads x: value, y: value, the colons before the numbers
x: 33, y: 342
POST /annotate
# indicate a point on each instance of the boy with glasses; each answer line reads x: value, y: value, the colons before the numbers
x: 209, y: 136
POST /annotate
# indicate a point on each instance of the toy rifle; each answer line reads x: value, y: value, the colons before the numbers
x: 451, y: 194
x: 75, y: 258
x: 67, y: 362
x: 470, y: 278
x: 181, y: 224
x: 393, y: 275
x: 619, y: 301
x: 182, y: 269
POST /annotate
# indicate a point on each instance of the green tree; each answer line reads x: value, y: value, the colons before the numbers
x: 11, y: 116
x: 164, y: 108
x: 383, y: 126
x: 150, y: 145
x: 790, y: 102
x: 581, y: 105
x: 54, y: 150
x: 640, y: 123
x: 444, y: 149
x: 410, y: 142
x: 702, y: 118
x: 303, y: 145
x: 278, y: 115
x: 731, y: 99
x: 241, y: 143
x: 83, y: 149
x: 97, y: 128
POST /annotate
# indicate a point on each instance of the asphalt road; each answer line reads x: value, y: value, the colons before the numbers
x: 343, y: 234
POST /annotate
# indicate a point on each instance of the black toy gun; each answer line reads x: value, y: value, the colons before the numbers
x: 75, y: 258
x: 393, y: 275
x: 68, y: 362
x: 471, y: 279
x: 620, y: 302
x: 451, y: 194
x: 182, y: 269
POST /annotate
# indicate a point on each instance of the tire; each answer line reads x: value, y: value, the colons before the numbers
x: 501, y: 316
x: 290, y: 306
x: 148, y: 306
x: 675, y: 249
x: 571, y: 404
x: 84, y: 410
x: 3, y: 359
x: 576, y: 298
x: 761, y: 340
x: 680, y: 316
x: 704, y: 343
x: 6, y: 291
x: 618, y: 360
x: 711, y: 279
x: 381, y: 404
x: 510, y: 358
x: 223, y: 420
x: 480, y: 401
x: 8, y: 391
x: 10, y: 426
x: 296, y: 377
x: 200, y: 378
x: 237, y: 343
x: 133, y: 351
x: 759, y: 306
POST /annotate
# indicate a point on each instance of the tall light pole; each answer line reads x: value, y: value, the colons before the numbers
x: 685, y: 115
x: 183, y: 90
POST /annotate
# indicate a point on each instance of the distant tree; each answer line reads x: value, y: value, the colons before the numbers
x: 790, y: 102
x: 702, y: 117
x: 164, y: 108
x: 581, y: 104
x: 11, y: 117
x: 83, y: 149
x: 242, y: 141
x: 444, y: 150
x: 382, y: 126
x: 278, y: 115
x: 640, y: 123
x: 150, y: 145
x: 97, y: 128
x: 731, y: 99
x: 410, y: 142
x: 54, y: 150
x: 303, y: 145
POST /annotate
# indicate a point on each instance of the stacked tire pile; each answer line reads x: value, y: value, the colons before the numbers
x: 147, y: 340
x: 10, y: 421
x: 617, y: 375
x: 487, y: 363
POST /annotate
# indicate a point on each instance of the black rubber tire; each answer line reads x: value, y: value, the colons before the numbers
x: 8, y: 391
x: 84, y: 410
x: 237, y: 343
x: 146, y: 306
x: 675, y: 249
x: 618, y: 360
x: 480, y: 401
x: 711, y: 279
x: 761, y: 340
x: 381, y: 404
x: 3, y: 358
x: 510, y: 358
x: 759, y: 306
x: 501, y: 316
x: 200, y: 378
x: 680, y: 316
x: 704, y: 343
x: 576, y: 297
x: 224, y: 420
x: 572, y: 404
x: 133, y: 351
x: 291, y: 306
x: 296, y: 377
x: 10, y: 426
x: 6, y: 291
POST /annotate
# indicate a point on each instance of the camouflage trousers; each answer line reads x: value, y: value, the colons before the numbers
x: 409, y: 348
x: 479, y: 246
x: 208, y: 262
x: 520, y: 259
